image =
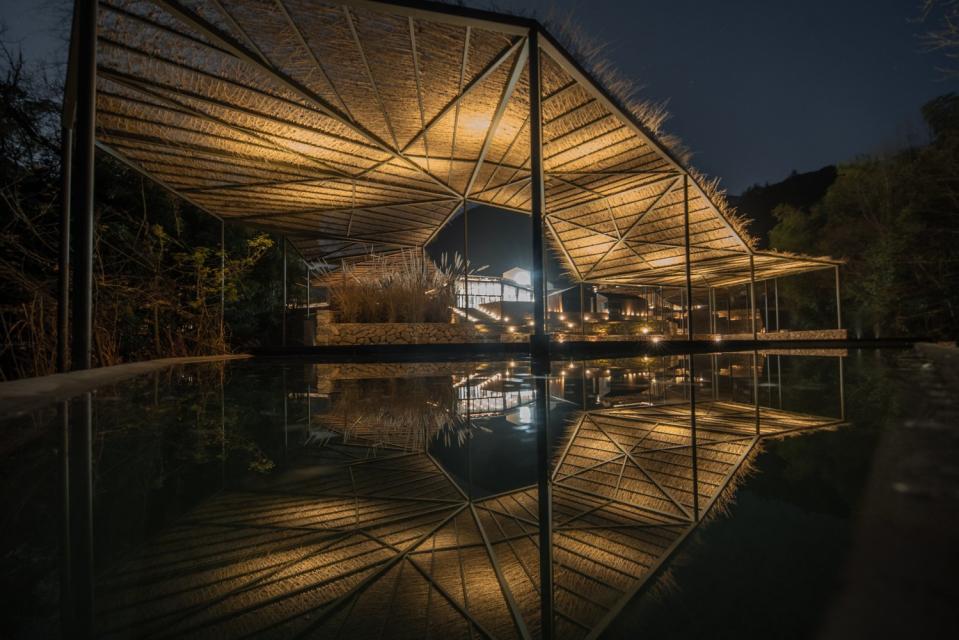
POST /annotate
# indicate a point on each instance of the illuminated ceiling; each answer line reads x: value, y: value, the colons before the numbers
x: 360, y: 126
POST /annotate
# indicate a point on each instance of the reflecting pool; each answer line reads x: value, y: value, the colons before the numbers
x: 282, y: 498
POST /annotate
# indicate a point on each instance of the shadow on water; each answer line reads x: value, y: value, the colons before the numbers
x: 294, y: 499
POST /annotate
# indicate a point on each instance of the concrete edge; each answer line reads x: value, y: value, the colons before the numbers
x: 21, y: 396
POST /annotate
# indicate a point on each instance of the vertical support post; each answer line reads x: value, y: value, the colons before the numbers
x: 306, y: 270
x: 466, y: 260
x: 709, y: 309
x: 838, y: 301
x: 540, y: 338
x: 752, y: 294
x: 83, y: 185
x: 502, y: 300
x: 776, y: 298
x: 223, y: 284
x: 662, y: 312
x: 766, y: 306
x: 283, y: 317
x: 582, y: 309
x: 689, y: 273
x: 63, y: 284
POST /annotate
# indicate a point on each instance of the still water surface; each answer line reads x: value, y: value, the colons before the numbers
x: 686, y: 497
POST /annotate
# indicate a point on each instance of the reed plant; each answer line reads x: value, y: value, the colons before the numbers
x: 405, y: 286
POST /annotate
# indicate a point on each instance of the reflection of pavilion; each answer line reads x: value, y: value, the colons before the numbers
x: 372, y: 541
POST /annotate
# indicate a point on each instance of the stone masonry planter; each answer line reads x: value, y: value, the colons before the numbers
x: 400, y: 333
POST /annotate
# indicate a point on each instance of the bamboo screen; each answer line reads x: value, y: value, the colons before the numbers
x: 354, y: 127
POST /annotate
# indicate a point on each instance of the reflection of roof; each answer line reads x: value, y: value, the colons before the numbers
x: 358, y: 125
x: 356, y: 540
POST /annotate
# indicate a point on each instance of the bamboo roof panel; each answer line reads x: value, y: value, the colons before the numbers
x: 373, y: 121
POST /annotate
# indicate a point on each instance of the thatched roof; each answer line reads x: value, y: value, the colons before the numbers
x: 357, y: 126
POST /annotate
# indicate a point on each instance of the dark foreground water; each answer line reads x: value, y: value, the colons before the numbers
x: 687, y: 499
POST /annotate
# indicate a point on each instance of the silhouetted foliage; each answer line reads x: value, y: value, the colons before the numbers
x: 895, y: 219
x: 157, y: 265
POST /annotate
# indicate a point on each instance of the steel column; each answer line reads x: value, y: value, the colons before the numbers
x: 466, y: 259
x: 540, y: 337
x: 838, y: 301
x: 582, y: 309
x: 692, y: 438
x: 222, y: 284
x: 689, y: 274
x: 306, y: 269
x: 752, y: 294
x: 766, y: 306
x: 776, y: 298
x: 82, y: 187
x: 63, y: 284
x: 283, y: 317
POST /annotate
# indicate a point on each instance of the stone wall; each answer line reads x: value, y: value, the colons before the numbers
x: 401, y: 333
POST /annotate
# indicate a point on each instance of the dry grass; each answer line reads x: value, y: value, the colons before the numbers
x: 400, y: 287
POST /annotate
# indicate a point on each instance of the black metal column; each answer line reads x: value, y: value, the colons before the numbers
x: 540, y: 338
x: 283, y: 317
x: 752, y: 294
x: 82, y: 183
x: 689, y: 273
x: 776, y: 299
x: 222, y: 285
x: 63, y: 284
x: 838, y: 301
x: 466, y: 260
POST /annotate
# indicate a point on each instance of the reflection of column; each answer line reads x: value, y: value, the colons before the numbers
x: 842, y: 392
x: 692, y: 436
x: 81, y: 520
x: 756, y: 386
x: 545, y: 501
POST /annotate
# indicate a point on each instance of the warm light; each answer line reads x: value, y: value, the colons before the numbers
x: 505, y: 318
x: 645, y: 330
x: 717, y: 338
x: 570, y: 325
x: 562, y: 317
x: 655, y: 338
x: 531, y: 323
x: 511, y: 329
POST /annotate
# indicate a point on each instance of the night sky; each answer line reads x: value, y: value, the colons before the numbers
x: 756, y: 88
